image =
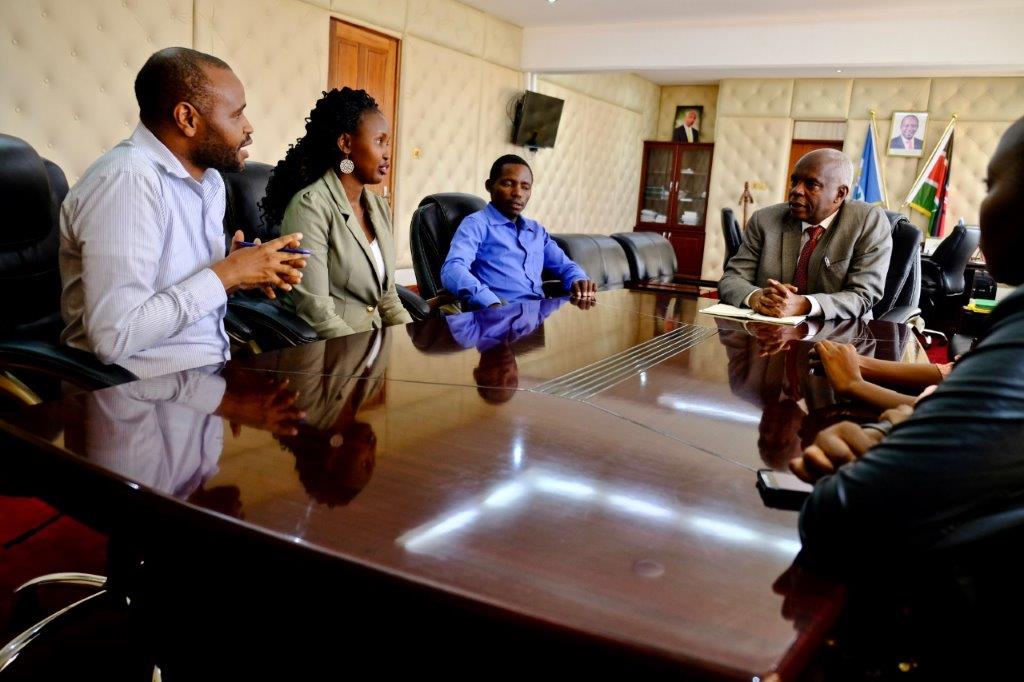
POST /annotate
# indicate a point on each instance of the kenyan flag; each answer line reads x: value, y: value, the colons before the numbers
x: 929, y: 194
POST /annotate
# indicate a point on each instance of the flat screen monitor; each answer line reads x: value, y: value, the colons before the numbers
x: 537, y: 118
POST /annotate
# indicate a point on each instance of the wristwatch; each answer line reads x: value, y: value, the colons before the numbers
x: 883, y: 427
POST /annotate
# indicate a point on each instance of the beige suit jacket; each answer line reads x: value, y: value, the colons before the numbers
x: 340, y: 292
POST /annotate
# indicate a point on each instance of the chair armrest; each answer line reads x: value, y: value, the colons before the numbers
x: 901, y: 313
x: 270, y: 318
x: 413, y: 303
x: 63, y: 362
x: 236, y: 327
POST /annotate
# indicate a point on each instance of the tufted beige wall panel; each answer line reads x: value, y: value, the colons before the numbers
x: 821, y: 98
x: 621, y: 89
x: 609, y: 177
x: 755, y: 97
x: 503, y: 42
x: 281, y: 85
x: 683, y: 95
x: 977, y: 99
x: 440, y: 103
x: 746, y: 149
x: 556, y: 198
x: 973, y: 145
x: 68, y: 70
x: 886, y: 95
x: 501, y: 85
x: 448, y: 23
x: 388, y: 14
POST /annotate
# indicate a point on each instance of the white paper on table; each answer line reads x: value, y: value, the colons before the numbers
x: 724, y: 310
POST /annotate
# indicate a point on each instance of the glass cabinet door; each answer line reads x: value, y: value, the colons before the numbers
x: 692, y: 188
x: 657, y: 190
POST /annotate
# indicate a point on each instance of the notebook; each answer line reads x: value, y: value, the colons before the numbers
x: 723, y: 310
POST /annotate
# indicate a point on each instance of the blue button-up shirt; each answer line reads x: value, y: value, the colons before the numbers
x: 493, y: 259
x: 488, y: 328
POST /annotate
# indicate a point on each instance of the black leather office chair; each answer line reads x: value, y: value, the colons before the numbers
x: 32, y: 360
x: 601, y: 257
x: 899, y: 302
x: 942, y: 273
x: 430, y: 235
x: 731, y: 234
x: 650, y: 256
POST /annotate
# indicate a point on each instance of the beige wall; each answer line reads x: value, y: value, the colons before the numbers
x: 756, y: 119
x: 68, y: 69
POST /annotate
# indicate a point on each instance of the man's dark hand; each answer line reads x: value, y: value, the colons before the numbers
x: 835, y: 446
x: 583, y: 289
x: 263, y: 266
x: 780, y: 300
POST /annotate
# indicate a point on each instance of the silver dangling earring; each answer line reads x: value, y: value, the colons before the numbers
x: 346, y: 166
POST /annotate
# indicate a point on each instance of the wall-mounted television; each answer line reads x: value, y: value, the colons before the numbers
x: 536, y: 122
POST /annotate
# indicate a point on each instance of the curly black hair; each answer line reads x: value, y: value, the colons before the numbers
x: 337, y: 112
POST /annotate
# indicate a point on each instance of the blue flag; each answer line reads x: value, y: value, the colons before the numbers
x: 869, y: 187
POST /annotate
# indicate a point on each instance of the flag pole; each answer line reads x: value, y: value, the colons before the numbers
x: 878, y: 157
x: 931, y: 159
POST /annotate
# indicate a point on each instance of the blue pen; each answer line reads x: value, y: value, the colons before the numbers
x: 301, y: 252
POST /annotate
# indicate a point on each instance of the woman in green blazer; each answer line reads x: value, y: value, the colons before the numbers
x: 319, y: 189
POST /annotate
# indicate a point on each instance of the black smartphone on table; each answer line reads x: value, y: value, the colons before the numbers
x: 782, y: 490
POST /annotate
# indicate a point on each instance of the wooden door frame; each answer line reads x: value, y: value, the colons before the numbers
x: 392, y: 176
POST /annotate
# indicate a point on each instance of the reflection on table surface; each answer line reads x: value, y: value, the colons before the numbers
x: 611, y: 448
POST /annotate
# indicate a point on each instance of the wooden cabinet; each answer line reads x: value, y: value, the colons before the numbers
x: 674, y: 198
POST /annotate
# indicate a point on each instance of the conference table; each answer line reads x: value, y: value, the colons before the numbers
x: 578, y: 480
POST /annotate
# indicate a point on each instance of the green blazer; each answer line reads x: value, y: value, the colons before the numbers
x: 340, y: 292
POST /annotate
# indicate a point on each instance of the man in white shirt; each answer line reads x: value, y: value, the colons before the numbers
x: 142, y: 244
x: 817, y: 255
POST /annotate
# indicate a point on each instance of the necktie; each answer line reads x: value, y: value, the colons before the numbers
x: 800, y: 280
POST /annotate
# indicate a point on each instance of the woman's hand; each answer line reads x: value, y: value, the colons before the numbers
x: 842, y: 365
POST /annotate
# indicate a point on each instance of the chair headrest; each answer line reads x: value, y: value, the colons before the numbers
x: 244, y: 191
x: 454, y: 206
x: 24, y: 193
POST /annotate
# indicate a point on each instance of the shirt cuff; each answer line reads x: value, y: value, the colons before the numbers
x: 815, y: 307
x: 746, y: 301
x: 205, y: 292
x: 484, y: 298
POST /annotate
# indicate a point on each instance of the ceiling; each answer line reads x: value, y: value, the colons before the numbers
x: 534, y: 13
x: 691, y: 41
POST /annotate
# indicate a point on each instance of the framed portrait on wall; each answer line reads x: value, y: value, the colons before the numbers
x: 686, y: 127
x: 906, y: 138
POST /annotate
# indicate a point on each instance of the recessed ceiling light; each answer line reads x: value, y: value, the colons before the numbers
x: 551, y: 2
x: 839, y: 70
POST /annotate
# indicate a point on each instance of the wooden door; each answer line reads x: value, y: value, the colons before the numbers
x: 801, y: 147
x: 366, y: 60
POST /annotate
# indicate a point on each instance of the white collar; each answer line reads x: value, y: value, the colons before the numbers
x: 824, y: 223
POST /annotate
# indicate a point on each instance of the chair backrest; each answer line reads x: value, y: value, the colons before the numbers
x: 245, y: 190
x: 28, y: 244
x: 430, y: 235
x: 601, y: 257
x: 951, y: 256
x: 649, y: 254
x: 731, y: 234
x: 903, y: 280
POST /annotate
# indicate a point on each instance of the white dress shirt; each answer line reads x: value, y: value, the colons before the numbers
x: 804, y: 238
x: 138, y: 235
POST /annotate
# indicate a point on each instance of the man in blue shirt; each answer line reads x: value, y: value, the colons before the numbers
x: 497, y: 255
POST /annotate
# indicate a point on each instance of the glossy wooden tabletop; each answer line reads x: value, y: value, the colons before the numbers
x: 591, y: 469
